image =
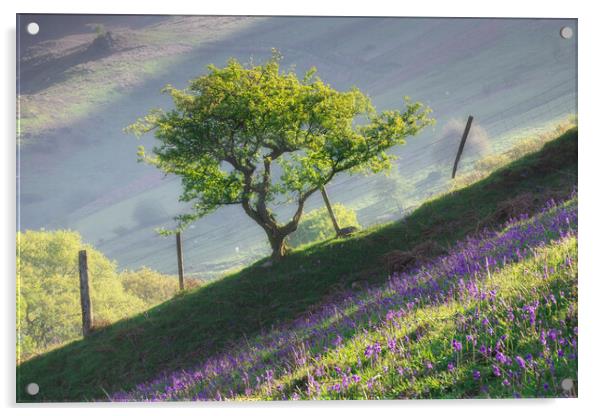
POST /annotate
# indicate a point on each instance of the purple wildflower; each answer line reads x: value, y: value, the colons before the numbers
x: 456, y: 345
x: 500, y: 357
x: 391, y: 344
x: 483, y: 349
x: 369, y: 351
x: 520, y: 361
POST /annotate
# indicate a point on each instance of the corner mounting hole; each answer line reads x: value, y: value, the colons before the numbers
x: 566, y: 32
x: 33, y: 28
x: 32, y: 389
x: 567, y: 384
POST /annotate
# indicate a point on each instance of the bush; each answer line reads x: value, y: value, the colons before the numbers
x: 48, y: 299
x: 316, y: 225
x: 150, y: 286
x: 446, y: 148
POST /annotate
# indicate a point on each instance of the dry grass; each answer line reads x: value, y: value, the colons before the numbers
x: 523, y: 146
x: 397, y: 261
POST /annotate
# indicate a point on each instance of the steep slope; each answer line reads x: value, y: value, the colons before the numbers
x: 495, y: 317
x: 198, y: 324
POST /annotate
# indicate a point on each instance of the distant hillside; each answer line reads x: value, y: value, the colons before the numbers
x: 185, y: 331
x: 78, y: 169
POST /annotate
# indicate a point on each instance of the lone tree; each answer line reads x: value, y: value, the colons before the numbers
x: 256, y: 135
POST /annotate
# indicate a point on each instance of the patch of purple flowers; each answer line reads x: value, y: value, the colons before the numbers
x: 256, y: 367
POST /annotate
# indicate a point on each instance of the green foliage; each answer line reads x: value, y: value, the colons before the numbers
x: 316, y: 225
x: 48, y: 298
x: 100, y: 29
x: 230, y: 127
x: 153, y: 287
x: 150, y: 286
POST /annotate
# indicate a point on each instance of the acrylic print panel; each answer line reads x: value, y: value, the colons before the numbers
x: 296, y: 208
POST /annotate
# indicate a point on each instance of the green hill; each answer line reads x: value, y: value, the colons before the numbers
x: 495, y: 317
x: 191, y: 327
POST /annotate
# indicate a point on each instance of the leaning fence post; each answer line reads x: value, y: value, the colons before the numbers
x: 335, y: 224
x: 180, y: 260
x: 84, y: 291
x: 462, y: 142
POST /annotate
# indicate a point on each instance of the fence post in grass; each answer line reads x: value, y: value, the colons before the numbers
x: 84, y: 291
x: 180, y: 260
x: 462, y: 142
x: 335, y: 224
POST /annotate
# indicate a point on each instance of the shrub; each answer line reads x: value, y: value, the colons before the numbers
x: 153, y: 287
x: 477, y: 144
x: 316, y: 225
x: 48, y: 299
x: 150, y: 286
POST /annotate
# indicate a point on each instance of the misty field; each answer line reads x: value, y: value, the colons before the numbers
x: 75, y: 100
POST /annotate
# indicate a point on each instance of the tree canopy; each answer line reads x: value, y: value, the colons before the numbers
x: 48, y: 299
x: 257, y: 135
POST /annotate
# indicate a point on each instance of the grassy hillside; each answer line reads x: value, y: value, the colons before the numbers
x: 495, y: 317
x: 192, y: 327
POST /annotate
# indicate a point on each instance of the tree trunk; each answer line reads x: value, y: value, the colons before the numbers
x: 279, y: 248
x: 333, y: 218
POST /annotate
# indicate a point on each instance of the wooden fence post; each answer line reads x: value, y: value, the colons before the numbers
x: 180, y: 260
x: 462, y: 142
x: 84, y: 291
x: 335, y: 224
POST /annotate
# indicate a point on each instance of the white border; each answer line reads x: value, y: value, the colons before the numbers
x: 590, y: 371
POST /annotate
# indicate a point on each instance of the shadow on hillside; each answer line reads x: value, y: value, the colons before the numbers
x: 56, y: 26
x: 46, y: 71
